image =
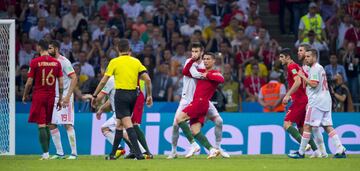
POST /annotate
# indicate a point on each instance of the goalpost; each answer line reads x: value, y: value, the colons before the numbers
x: 7, y: 87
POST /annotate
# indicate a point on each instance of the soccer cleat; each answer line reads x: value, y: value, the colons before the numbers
x: 296, y: 155
x: 172, y: 156
x: 57, y: 156
x: 213, y: 153
x: 223, y: 153
x: 340, y: 155
x: 139, y: 157
x: 308, y: 147
x: 119, y: 152
x: 44, y: 158
x: 193, y: 149
x: 72, y: 157
x: 110, y: 157
x: 316, y: 154
x: 148, y: 156
x: 130, y: 156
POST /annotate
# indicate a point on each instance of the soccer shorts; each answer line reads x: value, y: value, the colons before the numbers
x: 197, y: 110
x: 125, y: 101
x: 296, y: 114
x: 212, y: 112
x: 110, y: 123
x: 138, y: 109
x: 317, y: 117
x: 65, y: 115
x: 41, y: 108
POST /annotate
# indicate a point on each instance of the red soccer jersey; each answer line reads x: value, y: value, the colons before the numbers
x: 300, y: 94
x: 44, y: 70
x: 253, y: 84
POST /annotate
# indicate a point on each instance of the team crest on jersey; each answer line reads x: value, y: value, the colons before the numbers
x: 294, y: 71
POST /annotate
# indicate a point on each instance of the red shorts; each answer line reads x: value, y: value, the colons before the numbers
x: 138, y: 109
x: 197, y: 110
x: 41, y: 108
x: 296, y: 114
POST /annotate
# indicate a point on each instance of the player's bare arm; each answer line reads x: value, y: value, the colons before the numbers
x: 28, y: 86
x: 296, y: 85
x: 102, y: 108
x: 73, y: 83
x: 311, y: 83
x: 101, y: 85
x: 61, y: 90
x: 145, y: 76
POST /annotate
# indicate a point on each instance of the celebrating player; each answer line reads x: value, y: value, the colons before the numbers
x: 66, y: 115
x: 318, y: 112
x: 297, y: 110
x: 44, y: 71
x: 187, y: 97
x: 198, y: 108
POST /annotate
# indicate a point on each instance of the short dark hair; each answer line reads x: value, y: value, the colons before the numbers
x: 196, y: 45
x: 44, y: 45
x: 210, y: 54
x: 286, y: 52
x: 313, y: 52
x: 55, y: 43
x: 124, y: 45
x: 305, y: 46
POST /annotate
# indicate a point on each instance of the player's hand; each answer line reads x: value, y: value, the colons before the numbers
x: 204, y: 75
x: 301, y: 74
x: 59, y: 104
x: 25, y: 98
x: 149, y: 101
x: 99, y: 113
x: 93, y: 103
x: 66, y: 101
x: 286, y: 99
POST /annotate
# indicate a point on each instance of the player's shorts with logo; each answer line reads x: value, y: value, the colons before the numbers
x: 65, y: 115
x: 41, y: 108
x: 296, y: 113
x: 317, y: 117
x: 197, y: 110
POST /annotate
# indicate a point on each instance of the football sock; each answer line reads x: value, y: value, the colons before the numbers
x: 319, y: 140
x: 218, y: 131
x: 133, y: 139
x: 304, y: 141
x: 55, y: 134
x: 116, y: 142
x: 72, y: 140
x: 175, y: 137
x: 109, y: 135
x: 336, y: 141
x: 203, y: 140
x: 141, y: 138
x: 128, y: 143
x: 43, y: 136
x: 294, y: 133
x: 48, y: 136
x: 186, y: 130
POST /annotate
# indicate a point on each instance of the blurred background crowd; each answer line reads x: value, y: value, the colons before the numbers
x: 245, y: 35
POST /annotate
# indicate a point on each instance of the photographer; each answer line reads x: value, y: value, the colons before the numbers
x: 341, y: 93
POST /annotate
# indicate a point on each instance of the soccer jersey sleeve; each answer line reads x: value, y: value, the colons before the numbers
x: 314, y: 74
x: 67, y: 68
x: 293, y: 71
x: 32, y: 68
x: 110, y: 69
x: 108, y: 86
x: 215, y: 76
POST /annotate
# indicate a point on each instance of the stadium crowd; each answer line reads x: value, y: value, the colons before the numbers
x: 160, y: 33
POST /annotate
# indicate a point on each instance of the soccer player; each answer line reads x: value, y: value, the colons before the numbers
x: 44, y: 71
x: 198, y: 108
x: 318, y: 112
x: 66, y: 115
x: 187, y: 97
x: 318, y: 137
x: 297, y: 110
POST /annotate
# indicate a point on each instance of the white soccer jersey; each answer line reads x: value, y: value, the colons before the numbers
x: 306, y: 69
x: 319, y: 96
x: 67, y: 70
x: 109, y: 89
x: 189, y: 84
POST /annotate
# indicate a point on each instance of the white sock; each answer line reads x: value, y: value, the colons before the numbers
x: 218, y: 131
x: 175, y: 138
x: 72, y: 140
x: 304, y: 141
x: 109, y: 135
x: 142, y: 149
x: 319, y: 140
x: 336, y: 141
x: 55, y: 136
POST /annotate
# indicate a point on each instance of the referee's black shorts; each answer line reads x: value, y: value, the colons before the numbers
x: 124, y: 102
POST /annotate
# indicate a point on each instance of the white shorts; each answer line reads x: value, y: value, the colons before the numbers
x: 110, y: 123
x: 65, y: 115
x: 212, y: 111
x: 317, y: 117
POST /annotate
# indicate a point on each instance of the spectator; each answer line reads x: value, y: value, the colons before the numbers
x: 149, y: 66
x: 300, y: 8
x: 237, y: 40
x: 180, y: 57
x: 199, y: 6
x: 160, y: 17
x: 230, y: 89
x: 252, y: 84
x: 177, y: 85
x: 341, y: 93
x: 26, y: 53
x: 252, y: 31
x: 80, y: 29
x: 232, y: 28
x: 99, y: 34
x: 261, y: 38
x: 312, y: 21
x: 75, y: 51
x: 88, y: 9
x: 208, y: 32
x: 268, y: 53
x: 252, y: 12
x: 65, y: 7
x: 136, y: 45
x: 283, y: 5
x: 335, y: 68
x: 205, y: 20
x: 20, y: 82
x: 169, y: 29
x: 132, y: 9
x: 352, y: 68
x: 72, y: 19
x: 165, y: 58
x: 235, y: 13
x: 327, y: 9
x: 315, y: 43
x: 66, y: 45
x: 139, y: 25
x: 113, y: 50
x: 96, y: 53
x: 353, y: 35
x: 225, y: 52
x: 245, y: 54
x: 90, y: 84
x: 85, y: 68
x: 162, y: 84
x: 344, y: 25
x: 10, y: 13
x: 154, y: 7
x: 263, y: 71
x: 107, y: 10
x: 53, y: 20
x: 271, y: 94
x: 221, y: 8
x: 145, y: 37
x: 215, y: 41
x: 119, y: 21
x: 188, y: 29
x: 38, y: 32
x: 148, y: 53
x: 85, y: 42
x: 181, y: 16
x: 157, y: 41
x: 29, y: 16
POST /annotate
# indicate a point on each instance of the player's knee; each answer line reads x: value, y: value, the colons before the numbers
x: 69, y: 127
x: 286, y: 125
x: 52, y: 126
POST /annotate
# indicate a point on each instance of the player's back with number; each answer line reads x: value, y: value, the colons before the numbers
x: 45, y: 70
x: 320, y: 95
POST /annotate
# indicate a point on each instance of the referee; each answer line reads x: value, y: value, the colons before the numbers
x: 126, y: 70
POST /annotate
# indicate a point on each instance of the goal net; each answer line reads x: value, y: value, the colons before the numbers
x: 7, y: 87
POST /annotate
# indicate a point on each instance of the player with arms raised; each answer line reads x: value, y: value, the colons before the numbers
x: 44, y: 71
x: 318, y: 112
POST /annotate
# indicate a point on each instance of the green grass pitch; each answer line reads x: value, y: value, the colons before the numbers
x: 198, y: 163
